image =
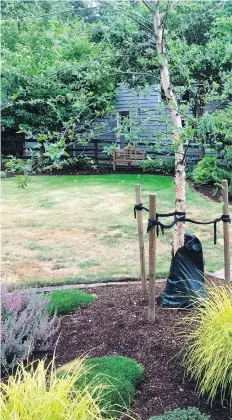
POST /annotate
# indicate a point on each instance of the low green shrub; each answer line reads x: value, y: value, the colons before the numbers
x: 80, y: 163
x: 207, y: 171
x: 208, y: 339
x: 189, y: 413
x: 36, y: 393
x: 63, y: 302
x: 162, y: 165
x: 118, y: 375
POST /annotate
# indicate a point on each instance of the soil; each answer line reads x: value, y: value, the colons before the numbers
x: 208, y: 191
x: 116, y: 324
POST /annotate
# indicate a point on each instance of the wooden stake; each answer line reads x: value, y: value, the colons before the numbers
x: 226, y: 231
x: 141, y: 239
x: 152, y: 260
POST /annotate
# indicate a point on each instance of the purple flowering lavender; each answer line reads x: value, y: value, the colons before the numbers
x: 13, y: 301
x: 26, y: 325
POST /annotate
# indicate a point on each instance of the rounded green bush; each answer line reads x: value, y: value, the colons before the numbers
x: 118, y: 375
x: 207, y: 171
x: 63, y: 302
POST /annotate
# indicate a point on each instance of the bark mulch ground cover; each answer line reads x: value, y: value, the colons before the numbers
x: 208, y: 191
x: 116, y: 324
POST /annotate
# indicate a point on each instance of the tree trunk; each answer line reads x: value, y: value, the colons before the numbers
x: 180, y: 205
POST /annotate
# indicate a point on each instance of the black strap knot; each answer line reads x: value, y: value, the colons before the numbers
x: 226, y: 218
x: 152, y: 223
x: 181, y: 216
x: 139, y: 207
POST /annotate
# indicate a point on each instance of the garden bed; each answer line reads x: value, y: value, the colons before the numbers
x: 208, y: 191
x: 116, y: 324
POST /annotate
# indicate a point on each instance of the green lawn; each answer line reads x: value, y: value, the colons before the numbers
x: 70, y: 229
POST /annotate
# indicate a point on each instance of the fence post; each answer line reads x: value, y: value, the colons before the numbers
x: 226, y: 231
x: 96, y: 151
x: 141, y: 239
x: 114, y: 160
x: 152, y: 260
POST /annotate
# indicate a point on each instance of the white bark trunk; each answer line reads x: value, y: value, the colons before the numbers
x: 180, y: 205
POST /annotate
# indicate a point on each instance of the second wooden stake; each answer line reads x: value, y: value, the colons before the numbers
x: 152, y: 260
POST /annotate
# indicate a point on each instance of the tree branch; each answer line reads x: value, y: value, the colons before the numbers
x: 148, y: 5
x: 217, y: 106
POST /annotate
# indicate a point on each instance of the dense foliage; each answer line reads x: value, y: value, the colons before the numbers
x: 51, y: 70
x: 161, y: 165
x: 208, y: 172
x: 209, y: 344
x: 26, y: 326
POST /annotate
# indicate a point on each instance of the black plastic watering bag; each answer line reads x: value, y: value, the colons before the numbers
x: 185, y: 279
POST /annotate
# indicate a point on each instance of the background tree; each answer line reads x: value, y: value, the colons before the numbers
x: 51, y: 70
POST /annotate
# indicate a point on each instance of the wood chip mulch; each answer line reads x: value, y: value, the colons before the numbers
x: 116, y: 324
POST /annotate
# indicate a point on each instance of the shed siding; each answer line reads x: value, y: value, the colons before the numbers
x: 147, y: 123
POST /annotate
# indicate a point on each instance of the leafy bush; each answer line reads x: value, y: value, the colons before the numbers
x: 25, y: 326
x: 190, y: 413
x: 80, y: 163
x: 36, y: 393
x: 207, y: 171
x: 161, y: 165
x: 208, y: 335
x: 66, y: 301
x: 118, y: 374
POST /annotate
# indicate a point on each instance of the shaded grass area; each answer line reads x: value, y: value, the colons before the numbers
x: 64, y: 302
x: 72, y: 229
x: 119, y: 376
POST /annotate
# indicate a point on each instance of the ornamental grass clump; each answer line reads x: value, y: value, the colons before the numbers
x: 36, y: 393
x: 26, y: 326
x: 208, y: 337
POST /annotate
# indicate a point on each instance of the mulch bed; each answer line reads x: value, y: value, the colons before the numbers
x: 208, y: 191
x: 116, y: 324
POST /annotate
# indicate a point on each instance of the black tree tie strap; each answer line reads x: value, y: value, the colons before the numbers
x: 153, y: 223
x: 174, y: 213
x: 225, y: 218
x: 156, y: 223
x: 162, y: 226
x: 139, y: 207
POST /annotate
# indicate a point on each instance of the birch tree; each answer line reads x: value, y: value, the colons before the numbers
x: 158, y: 21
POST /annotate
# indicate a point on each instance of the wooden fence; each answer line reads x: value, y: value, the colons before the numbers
x: 17, y: 145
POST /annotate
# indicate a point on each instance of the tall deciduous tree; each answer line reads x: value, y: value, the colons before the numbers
x: 158, y: 20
